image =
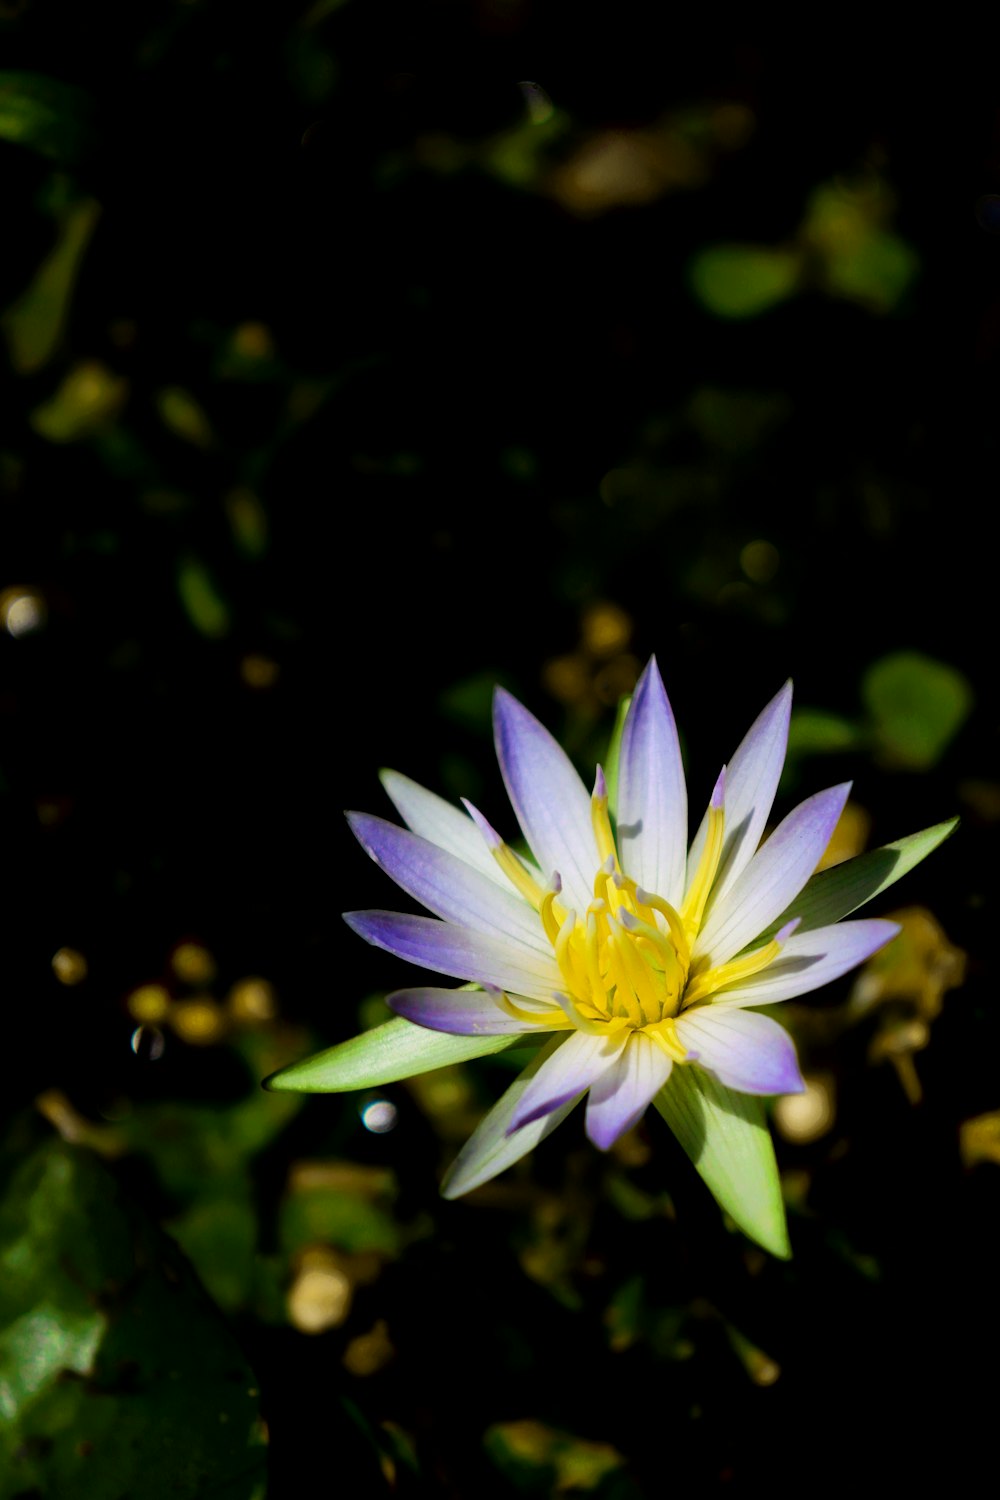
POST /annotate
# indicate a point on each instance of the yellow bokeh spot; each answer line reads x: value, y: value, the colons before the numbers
x: 848, y: 838
x: 759, y: 561
x: 606, y: 629
x: 979, y: 1139
x: 252, y: 1000
x: 69, y: 966
x: 369, y: 1352
x: 22, y: 611
x: 199, y: 1021
x: 193, y: 964
x: 320, y: 1296
x: 253, y: 341
x: 807, y: 1116
x: 259, y: 671
x: 148, y: 1004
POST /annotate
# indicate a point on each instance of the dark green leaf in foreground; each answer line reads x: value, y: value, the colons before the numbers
x: 117, y: 1375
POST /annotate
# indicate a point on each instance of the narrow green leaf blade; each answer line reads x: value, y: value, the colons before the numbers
x: 396, y: 1049
x: 726, y: 1136
x: 836, y: 892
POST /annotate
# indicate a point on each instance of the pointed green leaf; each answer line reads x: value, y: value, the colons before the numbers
x: 834, y: 893
x: 726, y: 1136
x: 397, y: 1049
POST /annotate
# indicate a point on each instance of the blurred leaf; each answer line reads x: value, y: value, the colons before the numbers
x: 345, y: 1215
x: 51, y: 117
x: 119, y: 1377
x: 877, y: 274
x: 539, y: 1459
x: 89, y: 398
x: 185, y: 418
x: 201, y: 600
x: 726, y: 1136
x: 862, y: 260
x: 396, y: 1050
x: 737, y: 422
x: 33, y: 325
x: 917, y: 706
x: 813, y: 731
x: 741, y: 281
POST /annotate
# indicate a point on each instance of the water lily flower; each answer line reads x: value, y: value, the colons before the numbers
x: 642, y: 962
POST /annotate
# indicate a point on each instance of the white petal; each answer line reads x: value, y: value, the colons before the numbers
x: 459, y: 952
x: 620, y: 1096
x: 745, y: 1051
x: 443, y: 824
x: 492, y: 1147
x: 447, y: 886
x: 809, y: 960
x: 581, y: 1058
x: 551, y: 803
x: 751, y: 782
x: 652, y: 796
x: 774, y: 876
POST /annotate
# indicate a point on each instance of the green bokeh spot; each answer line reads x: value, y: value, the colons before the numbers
x: 917, y: 706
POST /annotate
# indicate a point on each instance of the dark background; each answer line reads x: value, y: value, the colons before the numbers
x: 382, y: 376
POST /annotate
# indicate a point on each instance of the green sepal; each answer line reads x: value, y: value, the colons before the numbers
x: 836, y: 892
x: 726, y: 1136
x: 612, y: 758
x: 396, y: 1049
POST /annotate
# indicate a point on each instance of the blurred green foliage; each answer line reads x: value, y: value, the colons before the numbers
x: 119, y: 1375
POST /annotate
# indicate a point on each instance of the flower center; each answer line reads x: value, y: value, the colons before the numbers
x: 626, y: 961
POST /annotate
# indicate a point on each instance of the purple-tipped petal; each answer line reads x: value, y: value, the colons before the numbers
x: 438, y: 821
x: 652, y: 796
x: 773, y: 877
x: 446, y: 885
x: 579, y: 1061
x: 493, y: 1147
x: 810, y: 960
x: 469, y: 1012
x: 550, y: 800
x: 458, y: 952
x: 745, y: 1051
x: 619, y: 1097
x: 751, y: 782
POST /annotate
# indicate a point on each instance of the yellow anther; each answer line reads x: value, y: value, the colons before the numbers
x: 601, y: 821
x: 589, y: 1020
x: 665, y: 1036
x: 518, y: 875
x: 735, y: 971
x: 552, y: 915
x: 693, y: 909
x: 568, y: 958
x: 681, y: 944
x: 528, y: 1017
x: 650, y: 939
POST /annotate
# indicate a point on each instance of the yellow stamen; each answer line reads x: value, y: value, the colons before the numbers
x: 601, y: 821
x: 551, y: 914
x: 665, y: 1035
x: 693, y: 909
x: 731, y: 973
x: 518, y: 875
x: 530, y: 1017
x: 567, y: 957
x: 657, y: 903
x: 588, y: 1021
